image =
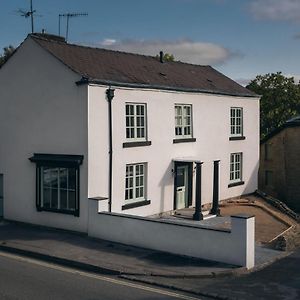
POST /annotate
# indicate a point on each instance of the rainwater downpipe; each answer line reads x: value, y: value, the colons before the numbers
x: 110, y: 93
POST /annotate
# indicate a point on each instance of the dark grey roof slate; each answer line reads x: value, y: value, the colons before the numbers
x: 121, y: 68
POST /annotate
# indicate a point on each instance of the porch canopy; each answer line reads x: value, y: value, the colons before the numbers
x: 187, y: 159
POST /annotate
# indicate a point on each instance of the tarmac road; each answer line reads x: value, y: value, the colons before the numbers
x: 278, y: 281
x: 23, y: 278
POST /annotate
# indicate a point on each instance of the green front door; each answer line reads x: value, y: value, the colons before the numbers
x: 182, y: 187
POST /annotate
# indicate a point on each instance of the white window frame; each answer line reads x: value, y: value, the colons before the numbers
x: 134, y: 118
x: 236, y: 121
x: 181, y: 122
x: 236, y: 167
x: 138, y: 182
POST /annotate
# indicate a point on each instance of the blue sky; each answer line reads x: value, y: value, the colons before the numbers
x: 239, y: 38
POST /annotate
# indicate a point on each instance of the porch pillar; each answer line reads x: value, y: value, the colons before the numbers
x: 215, y: 205
x: 198, y: 216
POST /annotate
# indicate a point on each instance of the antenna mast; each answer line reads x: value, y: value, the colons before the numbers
x: 68, y: 16
x: 28, y: 14
x: 31, y: 16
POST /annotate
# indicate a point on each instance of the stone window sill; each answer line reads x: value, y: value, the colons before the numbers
x: 136, y: 144
x: 136, y: 204
x: 237, y: 138
x: 235, y: 184
x: 186, y: 140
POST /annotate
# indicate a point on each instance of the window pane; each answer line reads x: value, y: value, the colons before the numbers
x: 183, y: 120
x: 72, y: 200
x: 54, y: 198
x: 46, y: 197
x: 64, y: 199
x: 63, y: 177
x: 134, y: 182
x: 47, y: 177
x: 72, y: 179
x: 236, y: 121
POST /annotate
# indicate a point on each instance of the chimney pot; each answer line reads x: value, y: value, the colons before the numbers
x: 161, y: 56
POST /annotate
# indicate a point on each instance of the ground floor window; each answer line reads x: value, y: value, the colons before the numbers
x: 236, y: 162
x: 57, y: 182
x: 58, y: 188
x: 135, y: 189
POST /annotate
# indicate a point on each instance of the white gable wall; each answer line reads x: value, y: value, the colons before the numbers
x: 210, y: 128
x: 41, y: 111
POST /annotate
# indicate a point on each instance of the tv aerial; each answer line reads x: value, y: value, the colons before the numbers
x: 28, y: 14
x: 68, y: 16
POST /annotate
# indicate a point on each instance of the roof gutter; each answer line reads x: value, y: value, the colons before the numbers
x: 85, y: 80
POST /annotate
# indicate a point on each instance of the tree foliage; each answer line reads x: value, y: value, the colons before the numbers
x: 280, y: 100
x: 7, y: 53
x: 167, y: 57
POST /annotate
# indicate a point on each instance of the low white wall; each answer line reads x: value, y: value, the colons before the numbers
x: 233, y: 247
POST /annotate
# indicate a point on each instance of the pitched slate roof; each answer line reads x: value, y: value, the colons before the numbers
x: 127, y: 69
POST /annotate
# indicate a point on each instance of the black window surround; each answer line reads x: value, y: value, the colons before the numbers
x: 237, y: 138
x: 136, y: 204
x: 136, y: 144
x: 56, y: 161
x: 236, y: 184
x: 184, y: 140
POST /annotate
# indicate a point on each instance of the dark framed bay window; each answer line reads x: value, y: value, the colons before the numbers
x: 57, y: 182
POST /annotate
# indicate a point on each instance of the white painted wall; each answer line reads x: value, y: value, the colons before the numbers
x: 41, y: 111
x: 210, y: 127
x: 235, y: 247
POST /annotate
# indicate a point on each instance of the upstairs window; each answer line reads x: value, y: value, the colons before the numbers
x: 183, y: 121
x: 135, y: 122
x: 236, y: 121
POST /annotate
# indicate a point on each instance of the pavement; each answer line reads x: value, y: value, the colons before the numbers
x: 78, y: 250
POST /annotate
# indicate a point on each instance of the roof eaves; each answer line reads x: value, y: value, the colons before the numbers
x: 85, y: 80
x: 287, y: 124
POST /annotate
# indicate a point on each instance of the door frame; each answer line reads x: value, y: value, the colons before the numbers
x: 189, y: 181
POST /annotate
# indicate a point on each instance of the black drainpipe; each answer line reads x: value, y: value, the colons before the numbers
x: 110, y: 93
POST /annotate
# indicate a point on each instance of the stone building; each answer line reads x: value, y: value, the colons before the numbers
x: 279, y: 173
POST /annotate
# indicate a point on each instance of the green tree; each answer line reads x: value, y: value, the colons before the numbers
x: 7, y: 53
x: 167, y: 57
x: 279, y: 102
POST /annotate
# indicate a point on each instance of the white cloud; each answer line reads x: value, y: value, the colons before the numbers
x: 183, y: 50
x: 243, y: 81
x: 296, y: 77
x: 283, y: 10
x: 108, y: 42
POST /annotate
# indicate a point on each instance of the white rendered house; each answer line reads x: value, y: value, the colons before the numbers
x: 79, y: 122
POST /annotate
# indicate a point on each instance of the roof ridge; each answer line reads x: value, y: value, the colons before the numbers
x: 110, y: 50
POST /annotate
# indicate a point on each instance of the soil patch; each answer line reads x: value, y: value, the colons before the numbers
x: 267, y: 227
